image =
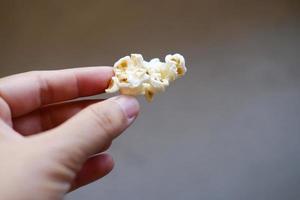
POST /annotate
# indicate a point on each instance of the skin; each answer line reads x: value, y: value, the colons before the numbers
x: 49, y: 147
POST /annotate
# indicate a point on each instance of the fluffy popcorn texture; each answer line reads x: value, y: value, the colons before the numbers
x: 135, y: 76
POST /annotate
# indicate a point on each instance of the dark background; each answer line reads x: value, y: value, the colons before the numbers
x: 229, y: 130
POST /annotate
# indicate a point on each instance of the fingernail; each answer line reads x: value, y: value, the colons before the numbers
x: 129, y: 105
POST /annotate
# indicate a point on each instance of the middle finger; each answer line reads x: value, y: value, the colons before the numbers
x: 49, y: 117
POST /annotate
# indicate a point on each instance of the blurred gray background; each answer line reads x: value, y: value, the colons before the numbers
x: 229, y: 130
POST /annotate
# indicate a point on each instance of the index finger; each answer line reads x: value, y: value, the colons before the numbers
x: 28, y: 91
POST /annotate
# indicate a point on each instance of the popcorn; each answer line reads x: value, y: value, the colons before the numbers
x: 135, y: 76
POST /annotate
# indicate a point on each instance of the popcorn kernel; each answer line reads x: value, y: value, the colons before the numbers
x: 135, y: 76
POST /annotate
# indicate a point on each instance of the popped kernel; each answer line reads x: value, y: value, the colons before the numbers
x: 135, y: 76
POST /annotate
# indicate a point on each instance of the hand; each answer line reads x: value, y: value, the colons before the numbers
x: 65, y: 154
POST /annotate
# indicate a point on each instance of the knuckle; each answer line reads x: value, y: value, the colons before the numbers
x: 46, y: 92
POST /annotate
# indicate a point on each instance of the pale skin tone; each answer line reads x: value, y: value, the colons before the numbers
x: 49, y: 147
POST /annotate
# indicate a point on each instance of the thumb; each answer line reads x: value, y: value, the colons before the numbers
x: 92, y: 129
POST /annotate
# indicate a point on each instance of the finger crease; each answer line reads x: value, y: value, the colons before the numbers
x: 45, y: 91
x: 78, y: 94
x: 47, y: 120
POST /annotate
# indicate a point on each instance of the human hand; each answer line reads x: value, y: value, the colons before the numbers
x: 48, y: 149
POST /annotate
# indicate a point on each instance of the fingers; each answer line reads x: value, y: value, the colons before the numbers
x: 28, y: 91
x: 49, y: 117
x: 94, y: 169
x: 90, y: 130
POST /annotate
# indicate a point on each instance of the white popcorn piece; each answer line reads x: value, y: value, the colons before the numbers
x: 135, y: 76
